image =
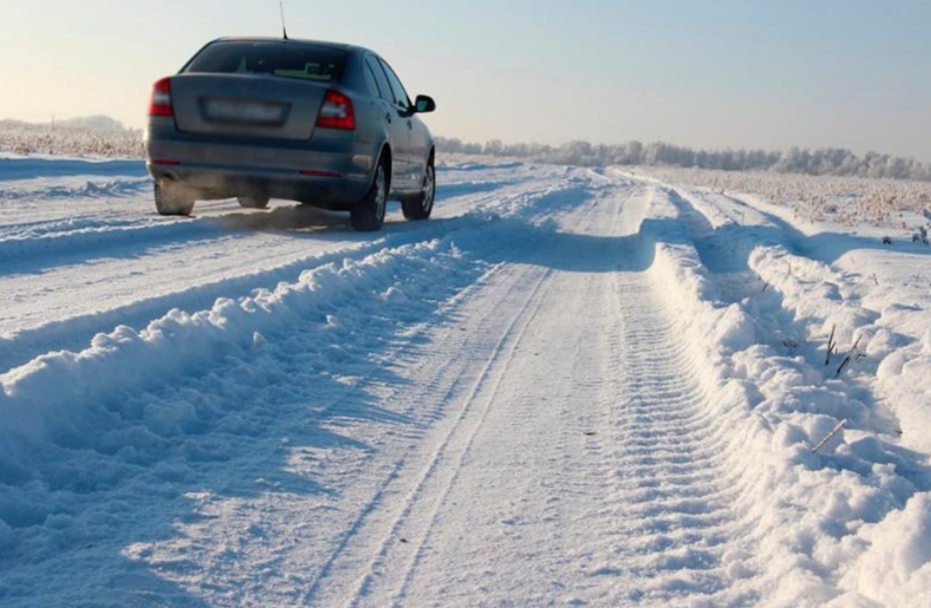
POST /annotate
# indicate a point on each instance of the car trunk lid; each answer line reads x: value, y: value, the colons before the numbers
x: 246, y: 105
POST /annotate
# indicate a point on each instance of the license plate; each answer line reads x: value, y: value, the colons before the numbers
x: 244, y: 112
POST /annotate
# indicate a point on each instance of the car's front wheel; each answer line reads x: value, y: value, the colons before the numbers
x: 420, y: 208
x: 368, y: 214
x: 172, y: 201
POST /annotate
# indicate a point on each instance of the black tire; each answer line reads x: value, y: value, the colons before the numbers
x: 420, y: 208
x: 171, y: 201
x: 368, y: 215
x: 253, y: 202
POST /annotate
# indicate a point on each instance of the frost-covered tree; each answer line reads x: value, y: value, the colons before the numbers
x: 825, y: 161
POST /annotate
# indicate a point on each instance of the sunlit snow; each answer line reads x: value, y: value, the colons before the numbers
x: 569, y: 387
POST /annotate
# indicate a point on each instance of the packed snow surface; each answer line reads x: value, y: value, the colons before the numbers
x: 569, y: 387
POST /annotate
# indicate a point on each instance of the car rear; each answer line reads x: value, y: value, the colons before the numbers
x: 260, y: 117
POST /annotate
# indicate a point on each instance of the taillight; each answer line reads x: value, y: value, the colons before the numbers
x: 336, y: 112
x: 161, y: 99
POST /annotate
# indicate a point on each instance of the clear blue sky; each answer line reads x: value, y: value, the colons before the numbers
x: 714, y: 73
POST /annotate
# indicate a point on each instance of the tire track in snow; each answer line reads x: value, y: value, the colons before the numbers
x: 385, y: 580
x: 28, y: 243
x: 83, y: 239
x: 680, y: 534
x: 454, y: 443
x: 525, y: 200
x: 653, y: 495
x: 432, y: 398
x: 384, y: 520
x: 680, y: 538
x: 424, y: 528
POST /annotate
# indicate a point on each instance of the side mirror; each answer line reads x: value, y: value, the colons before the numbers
x: 424, y: 103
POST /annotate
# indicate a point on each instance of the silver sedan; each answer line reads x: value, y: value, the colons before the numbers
x: 320, y: 123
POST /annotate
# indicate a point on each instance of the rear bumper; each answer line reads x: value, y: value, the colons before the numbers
x: 211, y: 168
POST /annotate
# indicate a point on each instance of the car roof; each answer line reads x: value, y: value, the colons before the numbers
x: 336, y: 45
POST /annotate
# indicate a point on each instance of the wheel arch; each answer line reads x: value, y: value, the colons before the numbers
x: 384, y: 153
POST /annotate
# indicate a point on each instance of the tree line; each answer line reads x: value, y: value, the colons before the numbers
x: 823, y: 161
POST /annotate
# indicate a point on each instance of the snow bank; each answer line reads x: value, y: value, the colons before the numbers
x: 73, y: 424
x: 896, y: 568
x: 39, y: 398
x: 826, y: 302
x: 814, y: 516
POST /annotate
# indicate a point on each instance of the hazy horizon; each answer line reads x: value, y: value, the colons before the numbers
x: 842, y: 74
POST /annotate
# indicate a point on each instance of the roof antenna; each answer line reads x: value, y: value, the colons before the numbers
x: 284, y: 28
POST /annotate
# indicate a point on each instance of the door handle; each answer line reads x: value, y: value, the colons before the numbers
x: 388, y: 117
x: 410, y: 125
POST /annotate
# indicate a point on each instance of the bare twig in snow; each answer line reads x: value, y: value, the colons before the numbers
x: 850, y: 355
x: 833, y: 432
x: 832, y: 346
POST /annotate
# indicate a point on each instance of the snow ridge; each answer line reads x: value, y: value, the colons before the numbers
x: 767, y: 368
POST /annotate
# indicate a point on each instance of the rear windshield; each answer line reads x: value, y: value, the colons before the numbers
x: 283, y: 59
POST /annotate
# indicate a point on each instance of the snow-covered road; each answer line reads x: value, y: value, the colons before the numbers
x: 570, y: 387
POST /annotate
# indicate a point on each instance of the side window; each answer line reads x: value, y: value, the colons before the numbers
x: 400, y: 95
x: 381, y: 82
x: 370, y: 81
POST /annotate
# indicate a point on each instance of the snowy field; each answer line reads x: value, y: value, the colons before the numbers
x: 96, y: 136
x: 571, y: 387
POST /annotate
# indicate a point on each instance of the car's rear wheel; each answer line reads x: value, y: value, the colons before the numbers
x: 420, y: 208
x: 172, y: 201
x: 253, y: 202
x: 368, y: 214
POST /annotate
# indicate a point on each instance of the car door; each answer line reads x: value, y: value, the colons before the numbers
x: 395, y: 120
x: 405, y: 112
x: 420, y: 148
